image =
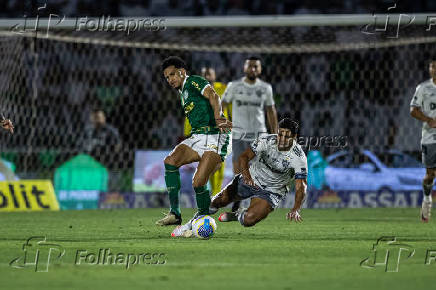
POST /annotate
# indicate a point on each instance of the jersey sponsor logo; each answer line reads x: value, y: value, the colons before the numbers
x: 212, y: 146
x: 195, y: 85
x: 189, y: 108
x: 247, y: 103
x: 275, y: 170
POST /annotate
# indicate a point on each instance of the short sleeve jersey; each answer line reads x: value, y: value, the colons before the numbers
x: 274, y: 170
x: 197, y: 108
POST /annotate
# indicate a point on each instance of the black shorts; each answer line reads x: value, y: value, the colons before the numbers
x: 246, y: 191
x: 429, y: 155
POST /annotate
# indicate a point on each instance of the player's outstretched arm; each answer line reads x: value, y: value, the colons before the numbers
x: 416, y: 113
x: 244, y: 160
x: 300, y: 193
x: 214, y: 99
x: 271, y: 116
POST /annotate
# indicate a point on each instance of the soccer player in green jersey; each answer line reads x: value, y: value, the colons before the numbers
x: 209, y: 143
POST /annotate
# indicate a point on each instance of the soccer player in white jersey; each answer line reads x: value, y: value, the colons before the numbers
x: 277, y: 160
x: 423, y: 108
x: 249, y: 96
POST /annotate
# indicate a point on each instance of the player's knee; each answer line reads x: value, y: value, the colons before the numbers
x: 198, y: 182
x: 429, y: 177
x: 250, y: 219
x: 169, y: 160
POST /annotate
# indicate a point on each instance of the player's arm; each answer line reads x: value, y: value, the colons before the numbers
x: 300, y: 193
x: 416, y: 113
x: 415, y: 108
x: 226, y: 107
x: 214, y: 99
x: 271, y: 113
x: 244, y: 160
x: 226, y: 99
x: 271, y: 116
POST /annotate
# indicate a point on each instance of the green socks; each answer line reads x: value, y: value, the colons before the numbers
x: 203, y: 199
x: 172, y: 180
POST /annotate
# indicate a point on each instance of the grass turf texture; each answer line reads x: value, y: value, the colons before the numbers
x: 323, y: 252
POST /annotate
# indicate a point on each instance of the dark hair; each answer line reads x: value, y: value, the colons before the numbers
x: 254, y: 58
x: 287, y: 123
x: 176, y: 61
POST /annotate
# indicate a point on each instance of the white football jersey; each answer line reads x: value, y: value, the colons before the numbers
x: 274, y: 170
x: 248, y: 103
x: 425, y: 99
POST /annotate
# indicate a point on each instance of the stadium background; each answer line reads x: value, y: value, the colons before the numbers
x: 336, y: 80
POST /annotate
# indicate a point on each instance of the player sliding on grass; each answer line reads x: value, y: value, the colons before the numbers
x: 209, y: 143
x: 277, y: 160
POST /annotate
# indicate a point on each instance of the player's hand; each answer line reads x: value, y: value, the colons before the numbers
x: 432, y: 123
x: 294, y: 215
x: 249, y: 181
x: 224, y: 125
x: 7, y: 125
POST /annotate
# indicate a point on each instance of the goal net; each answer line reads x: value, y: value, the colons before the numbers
x: 338, y: 79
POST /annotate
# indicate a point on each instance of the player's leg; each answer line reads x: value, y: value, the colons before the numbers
x: 182, y: 154
x: 429, y: 160
x: 238, y: 149
x: 427, y: 185
x: 225, y: 196
x: 216, y: 179
x: 208, y: 163
x: 258, y: 210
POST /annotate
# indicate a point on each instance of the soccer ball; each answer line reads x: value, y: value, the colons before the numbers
x: 204, y: 227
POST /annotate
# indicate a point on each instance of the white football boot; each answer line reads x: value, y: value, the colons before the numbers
x: 426, y: 211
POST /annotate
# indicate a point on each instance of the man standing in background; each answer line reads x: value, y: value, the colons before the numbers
x: 249, y: 97
x: 423, y: 108
x: 216, y: 180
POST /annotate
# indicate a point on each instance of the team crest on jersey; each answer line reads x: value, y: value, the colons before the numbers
x: 286, y: 163
x: 185, y: 95
x: 259, y: 93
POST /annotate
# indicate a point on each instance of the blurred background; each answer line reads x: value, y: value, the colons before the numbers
x: 336, y: 79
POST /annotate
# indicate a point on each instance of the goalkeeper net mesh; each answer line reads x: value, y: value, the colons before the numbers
x: 334, y: 80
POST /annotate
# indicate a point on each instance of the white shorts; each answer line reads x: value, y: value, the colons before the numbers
x: 219, y: 143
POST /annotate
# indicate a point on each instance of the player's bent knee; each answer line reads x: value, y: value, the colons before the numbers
x: 198, y: 183
x: 250, y: 219
x: 169, y: 161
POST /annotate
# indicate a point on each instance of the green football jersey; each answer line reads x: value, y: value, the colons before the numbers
x: 197, y: 108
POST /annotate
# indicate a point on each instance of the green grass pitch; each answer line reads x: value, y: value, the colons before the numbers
x: 323, y: 252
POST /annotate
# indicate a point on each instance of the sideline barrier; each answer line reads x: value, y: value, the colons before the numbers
x: 27, y: 195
